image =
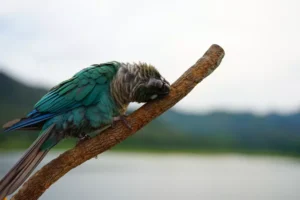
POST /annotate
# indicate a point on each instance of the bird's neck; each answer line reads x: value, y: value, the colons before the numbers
x: 122, y: 87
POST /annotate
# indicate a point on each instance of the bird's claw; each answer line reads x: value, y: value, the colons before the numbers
x: 123, y: 119
x: 82, y: 138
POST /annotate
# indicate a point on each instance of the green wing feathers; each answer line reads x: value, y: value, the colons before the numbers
x: 84, y: 88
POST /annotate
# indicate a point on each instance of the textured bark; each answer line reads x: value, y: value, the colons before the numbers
x: 58, y: 167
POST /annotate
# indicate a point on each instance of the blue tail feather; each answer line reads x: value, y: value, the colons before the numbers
x: 30, y: 121
x: 32, y: 113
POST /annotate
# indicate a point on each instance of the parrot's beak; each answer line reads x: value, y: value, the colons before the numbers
x: 165, y: 89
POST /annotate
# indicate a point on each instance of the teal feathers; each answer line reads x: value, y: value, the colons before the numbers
x: 87, y: 87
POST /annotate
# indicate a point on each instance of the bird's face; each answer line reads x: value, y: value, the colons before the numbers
x: 152, y: 86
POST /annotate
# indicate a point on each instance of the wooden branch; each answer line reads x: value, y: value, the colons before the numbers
x: 58, y: 167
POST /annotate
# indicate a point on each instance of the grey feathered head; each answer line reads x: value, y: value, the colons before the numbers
x: 140, y: 82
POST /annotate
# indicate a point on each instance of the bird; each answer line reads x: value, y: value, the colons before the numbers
x: 94, y: 97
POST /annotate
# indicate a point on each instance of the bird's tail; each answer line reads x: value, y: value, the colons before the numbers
x: 20, y: 172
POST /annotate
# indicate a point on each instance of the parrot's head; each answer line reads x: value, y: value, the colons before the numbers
x: 139, y: 82
x: 148, y: 84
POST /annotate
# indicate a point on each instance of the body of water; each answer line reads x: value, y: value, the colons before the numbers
x: 129, y: 176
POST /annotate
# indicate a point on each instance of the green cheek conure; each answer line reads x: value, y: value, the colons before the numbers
x: 94, y: 97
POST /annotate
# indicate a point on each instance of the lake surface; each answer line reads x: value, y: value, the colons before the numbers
x: 129, y: 176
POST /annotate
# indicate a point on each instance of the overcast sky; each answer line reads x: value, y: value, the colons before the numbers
x: 46, y: 42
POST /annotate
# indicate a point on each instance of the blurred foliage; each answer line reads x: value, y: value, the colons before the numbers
x: 173, y: 131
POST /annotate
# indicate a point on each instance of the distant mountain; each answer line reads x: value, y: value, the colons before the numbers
x: 13, y: 92
x: 216, y: 131
x: 234, y: 123
x: 16, y: 101
x: 240, y: 131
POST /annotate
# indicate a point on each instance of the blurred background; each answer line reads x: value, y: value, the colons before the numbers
x: 235, y: 136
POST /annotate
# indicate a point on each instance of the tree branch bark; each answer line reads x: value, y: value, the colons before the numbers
x: 58, y: 167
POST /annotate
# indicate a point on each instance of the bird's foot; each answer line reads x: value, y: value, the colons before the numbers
x: 82, y: 138
x: 123, y: 119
